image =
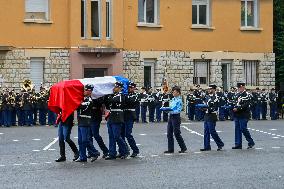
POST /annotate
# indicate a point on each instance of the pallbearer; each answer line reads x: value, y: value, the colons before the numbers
x: 175, y: 107
x: 242, y: 115
x: 210, y: 119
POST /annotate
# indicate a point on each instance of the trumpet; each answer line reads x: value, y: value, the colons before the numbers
x: 27, y: 85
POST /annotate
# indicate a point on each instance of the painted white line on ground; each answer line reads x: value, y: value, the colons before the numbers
x: 143, y: 134
x: 36, y: 150
x: 257, y: 130
x: 276, y: 147
x: 194, y: 132
x: 273, y: 129
x: 141, y: 156
x: 15, y: 140
x: 48, y: 162
x: 33, y: 163
x: 251, y: 129
x: 2, y: 165
x: 48, y: 146
x: 36, y: 139
x: 138, y: 144
x: 51, y: 149
x: 275, y: 137
x: 17, y: 164
x: 168, y: 154
x: 269, y: 133
x: 1, y: 133
x: 258, y: 148
x: 219, y: 131
x: 273, y: 134
x: 186, y: 123
x: 278, y: 135
x: 154, y: 155
x: 197, y: 152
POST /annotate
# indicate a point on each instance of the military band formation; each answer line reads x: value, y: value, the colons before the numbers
x: 122, y: 110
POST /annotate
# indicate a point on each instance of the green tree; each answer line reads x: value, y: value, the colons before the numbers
x: 278, y: 28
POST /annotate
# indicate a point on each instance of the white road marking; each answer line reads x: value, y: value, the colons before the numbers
x: 276, y: 147
x: 36, y: 139
x: 273, y: 129
x: 273, y: 134
x: 36, y: 150
x: 1, y: 133
x: 197, y: 152
x: 33, y: 163
x: 48, y: 162
x: 143, y: 134
x: 16, y: 140
x: 168, y: 154
x: 275, y: 137
x: 17, y: 164
x: 219, y: 131
x: 51, y: 149
x: 141, y: 156
x: 194, y: 132
x: 258, y: 148
x: 2, y: 165
x: 154, y: 155
x: 49, y: 145
x: 138, y: 144
x: 278, y: 135
x: 186, y: 123
x: 257, y: 130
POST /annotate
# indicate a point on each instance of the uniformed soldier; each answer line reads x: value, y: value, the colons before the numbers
x: 222, y: 102
x: 263, y: 101
x: 210, y: 119
x: 166, y: 102
x: 242, y: 115
x: 175, y: 106
x: 230, y: 102
x: 137, y: 109
x: 115, y: 104
x: 51, y: 116
x: 64, y: 132
x: 1, y: 110
x: 159, y: 102
x: 5, y: 108
x: 19, y: 108
x: 34, y: 102
x: 131, y: 102
x: 151, y: 105
x: 273, y: 98
x: 13, y: 108
x: 97, y: 113
x: 190, y: 99
x: 27, y: 107
x: 144, y: 104
x: 257, y: 101
x: 198, y: 100
x: 84, y: 127
x: 42, y: 105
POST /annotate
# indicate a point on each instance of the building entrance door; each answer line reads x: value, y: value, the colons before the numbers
x: 94, y: 72
x: 226, y: 75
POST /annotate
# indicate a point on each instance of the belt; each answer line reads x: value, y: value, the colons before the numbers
x: 116, y: 110
x: 85, y: 116
x: 130, y: 110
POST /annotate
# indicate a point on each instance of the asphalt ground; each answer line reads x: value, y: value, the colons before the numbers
x: 27, y: 157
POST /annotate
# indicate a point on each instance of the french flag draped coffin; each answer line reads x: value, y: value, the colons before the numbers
x: 66, y: 96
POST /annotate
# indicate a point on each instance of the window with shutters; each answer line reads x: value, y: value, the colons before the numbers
x: 37, y: 9
x: 201, y: 12
x: 95, y: 19
x: 36, y: 73
x: 201, y: 72
x: 251, y: 72
x: 108, y: 18
x: 83, y: 19
x: 148, y: 11
x: 249, y: 13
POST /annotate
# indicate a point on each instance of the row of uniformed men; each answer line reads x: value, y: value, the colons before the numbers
x: 25, y: 108
x: 260, y: 99
x: 120, y: 118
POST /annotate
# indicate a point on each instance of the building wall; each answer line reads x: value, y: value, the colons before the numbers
x: 180, y: 67
x: 175, y: 32
x: 15, y: 66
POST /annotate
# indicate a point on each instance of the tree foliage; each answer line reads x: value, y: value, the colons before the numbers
x: 278, y: 43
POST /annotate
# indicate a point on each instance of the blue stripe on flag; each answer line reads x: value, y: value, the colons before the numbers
x: 125, y: 82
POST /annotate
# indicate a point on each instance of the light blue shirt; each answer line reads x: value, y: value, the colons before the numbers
x: 176, y: 105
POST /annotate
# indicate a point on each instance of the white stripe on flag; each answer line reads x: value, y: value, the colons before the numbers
x: 102, y: 85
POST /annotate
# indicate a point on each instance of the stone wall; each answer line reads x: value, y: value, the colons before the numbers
x: 180, y: 68
x: 15, y: 67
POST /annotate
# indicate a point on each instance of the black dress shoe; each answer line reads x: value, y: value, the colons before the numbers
x: 105, y: 155
x: 250, y: 146
x: 182, y: 151
x: 204, y: 149
x: 94, y: 158
x: 118, y: 156
x: 61, y: 159
x: 124, y: 156
x: 79, y: 160
x: 237, y: 147
x: 89, y: 156
x: 110, y: 157
x: 133, y: 155
x: 76, y: 156
x: 219, y: 148
x: 168, y: 152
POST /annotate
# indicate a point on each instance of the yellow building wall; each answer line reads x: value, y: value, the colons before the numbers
x: 14, y: 32
x: 176, y: 32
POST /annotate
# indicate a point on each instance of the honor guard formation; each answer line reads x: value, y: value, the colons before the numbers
x: 121, y: 111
